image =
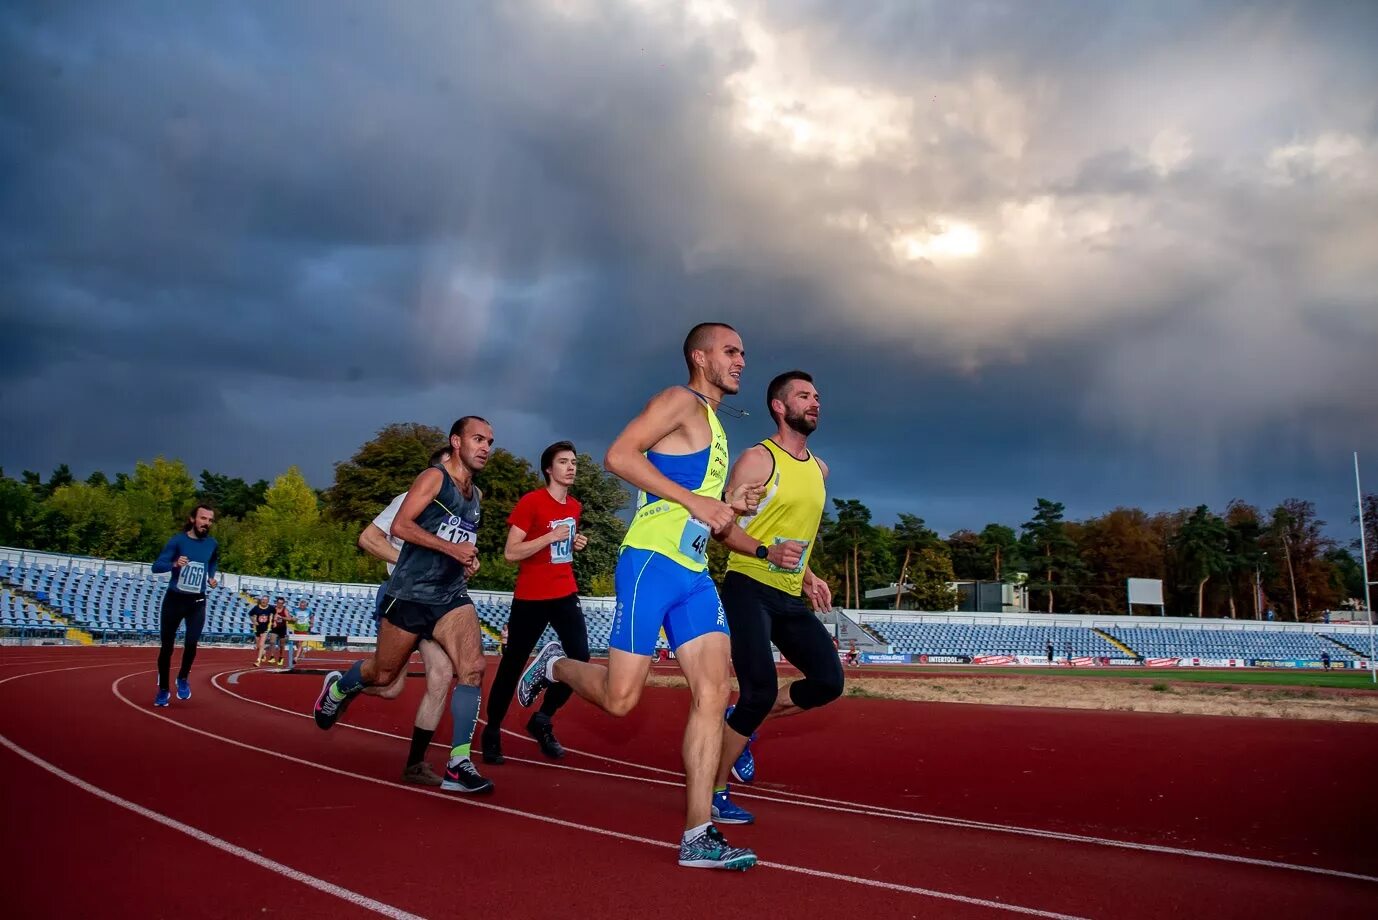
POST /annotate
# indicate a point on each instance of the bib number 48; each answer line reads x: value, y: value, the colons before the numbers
x: 694, y: 541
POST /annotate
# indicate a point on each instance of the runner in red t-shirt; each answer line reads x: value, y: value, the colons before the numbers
x: 542, y: 539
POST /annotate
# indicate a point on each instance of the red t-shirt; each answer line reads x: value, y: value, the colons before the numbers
x: 549, y: 572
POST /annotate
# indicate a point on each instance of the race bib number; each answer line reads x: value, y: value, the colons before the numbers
x: 192, y: 578
x: 455, y: 529
x: 804, y: 555
x: 562, y: 551
x: 693, y: 541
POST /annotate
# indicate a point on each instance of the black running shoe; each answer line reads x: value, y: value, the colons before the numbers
x: 492, y: 747
x: 543, y: 731
x: 328, y: 709
x: 464, y: 777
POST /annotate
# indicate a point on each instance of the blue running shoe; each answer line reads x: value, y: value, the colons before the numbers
x: 709, y: 850
x: 183, y: 688
x: 725, y: 811
x: 163, y: 698
x: 744, y: 767
x: 533, y: 678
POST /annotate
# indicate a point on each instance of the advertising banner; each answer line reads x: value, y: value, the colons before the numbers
x: 886, y: 658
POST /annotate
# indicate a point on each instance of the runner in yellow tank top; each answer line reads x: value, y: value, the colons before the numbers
x: 675, y: 453
x: 766, y: 576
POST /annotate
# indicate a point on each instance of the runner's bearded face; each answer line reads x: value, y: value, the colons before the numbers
x: 801, y: 407
x: 474, y: 445
x: 203, y: 521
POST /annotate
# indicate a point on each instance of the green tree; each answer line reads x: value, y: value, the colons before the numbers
x: 1050, y: 551
x: 1297, y: 537
x: 504, y: 480
x: 231, y: 496
x: 968, y: 561
x: 18, y: 506
x: 286, y: 537
x: 1000, y: 549
x: 95, y: 520
x: 1348, y: 575
x: 381, y: 468
x: 603, y: 496
x: 911, y: 536
x: 850, y: 532
x: 1202, y: 547
x: 160, y: 494
x: 1246, y: 558
x: 930, y: 580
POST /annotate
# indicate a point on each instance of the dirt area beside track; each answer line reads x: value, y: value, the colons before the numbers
x: 1125, y: 696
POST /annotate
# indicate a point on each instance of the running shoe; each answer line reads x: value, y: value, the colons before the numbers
x: 464, y: 777
x: 421, y: 774
x: 541, y: 728
x: 744, y: 767
x: 328, y: 709
x: 183, y: 688
x: 163, y: 698
x: 726, y: 811
x: 533, y: 678
x: 709, y: 850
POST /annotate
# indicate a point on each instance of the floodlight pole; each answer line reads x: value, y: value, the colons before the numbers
x: 1363, y: 555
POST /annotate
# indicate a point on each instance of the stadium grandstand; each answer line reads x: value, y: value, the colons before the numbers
x: 48, y: 597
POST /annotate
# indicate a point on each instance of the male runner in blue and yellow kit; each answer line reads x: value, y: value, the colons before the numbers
x: 767, y: 579
x: 675, y: 453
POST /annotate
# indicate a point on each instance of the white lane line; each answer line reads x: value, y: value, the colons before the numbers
x: 586, y: 828
x: 353, y: 897
x: 874, y: 811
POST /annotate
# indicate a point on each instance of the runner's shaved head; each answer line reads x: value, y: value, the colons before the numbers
x: 700, y: 338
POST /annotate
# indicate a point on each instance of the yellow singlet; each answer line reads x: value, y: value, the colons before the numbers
x: 664, y: 527
x: 790, y: 510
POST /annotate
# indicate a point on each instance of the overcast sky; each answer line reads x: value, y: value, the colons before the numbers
x: 1101, y: 253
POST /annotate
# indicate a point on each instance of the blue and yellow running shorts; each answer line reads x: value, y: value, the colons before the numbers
x: 654, y: 591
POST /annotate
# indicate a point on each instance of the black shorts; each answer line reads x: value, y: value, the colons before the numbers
x: 419, y: 618
x: 260, y: 629
x: 280, y: 631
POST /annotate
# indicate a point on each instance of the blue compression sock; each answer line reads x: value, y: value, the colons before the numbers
x: 464, y: 703
x: 352, y: 682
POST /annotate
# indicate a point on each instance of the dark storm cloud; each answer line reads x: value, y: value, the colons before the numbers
x: 1073, y: 252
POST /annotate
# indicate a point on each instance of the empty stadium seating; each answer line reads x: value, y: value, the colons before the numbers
x: 44, y: 599
x: 1157, y: 642
x: 978, y: 639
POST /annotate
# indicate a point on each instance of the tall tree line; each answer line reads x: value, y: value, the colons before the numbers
x: 1239, y: 562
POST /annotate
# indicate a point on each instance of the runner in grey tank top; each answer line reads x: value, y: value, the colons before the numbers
x: 426, y: 597
x: 425, y: 575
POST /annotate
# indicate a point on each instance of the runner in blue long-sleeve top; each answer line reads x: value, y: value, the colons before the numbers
x: 192, y: 557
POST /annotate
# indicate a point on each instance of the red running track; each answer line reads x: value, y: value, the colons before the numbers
x: 233, y: 802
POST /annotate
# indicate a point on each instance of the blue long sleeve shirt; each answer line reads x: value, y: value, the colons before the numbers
x: 203, y: 557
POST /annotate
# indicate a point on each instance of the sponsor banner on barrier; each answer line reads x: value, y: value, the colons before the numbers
x: 995, y: 659
x: 1285, y: 663
x: 885, y: 658
x: 1161, y: 662
x: 944, y: 659
x: 1124, y: 662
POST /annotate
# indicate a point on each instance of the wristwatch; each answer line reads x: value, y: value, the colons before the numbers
x: 762, y: 552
